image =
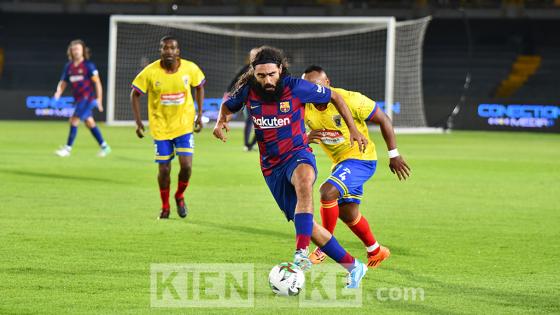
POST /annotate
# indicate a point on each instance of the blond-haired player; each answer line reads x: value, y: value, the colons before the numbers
x: 82, y: 76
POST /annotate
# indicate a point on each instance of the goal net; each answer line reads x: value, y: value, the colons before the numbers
x: 376, y: 56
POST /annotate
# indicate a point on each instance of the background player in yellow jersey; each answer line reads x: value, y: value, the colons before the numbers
x: 168, y: 83
x: 341, y: 193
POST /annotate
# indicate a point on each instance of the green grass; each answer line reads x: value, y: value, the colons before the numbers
x: 476, y: 226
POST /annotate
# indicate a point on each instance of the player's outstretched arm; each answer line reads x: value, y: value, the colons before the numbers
x: 199, y: 96
x: 222, y: 123
x: 135, y: 102
x: 342, y: 108
x: 397, y: 164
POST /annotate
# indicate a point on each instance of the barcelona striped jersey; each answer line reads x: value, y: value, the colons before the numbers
x: 79, y: 77
x: 279, y: 126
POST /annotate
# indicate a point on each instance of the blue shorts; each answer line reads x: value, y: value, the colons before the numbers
x: 349, y: 177
x: 280, y: 182
x: 167, y: 149
x: 84, y: 108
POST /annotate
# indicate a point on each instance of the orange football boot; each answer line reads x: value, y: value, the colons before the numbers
x: 375, y: 260
x: 317, y: 256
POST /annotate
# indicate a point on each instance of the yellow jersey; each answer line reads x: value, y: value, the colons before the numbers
x: 170, y: 103
x: 335, y: 136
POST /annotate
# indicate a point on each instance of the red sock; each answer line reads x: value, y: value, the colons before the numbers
x: 164, y: 194
x: 329, y: 214
x: 348, y: 261
x: 361, y: 228
x: 181, y: 186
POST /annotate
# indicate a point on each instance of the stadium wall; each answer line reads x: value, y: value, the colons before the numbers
x: 34, y: 53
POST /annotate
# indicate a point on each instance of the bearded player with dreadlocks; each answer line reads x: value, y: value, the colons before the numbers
x: 276, y: 104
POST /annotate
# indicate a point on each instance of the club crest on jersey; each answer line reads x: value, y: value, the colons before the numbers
x: 186, y: 81
x: 337, y: 120
x: 285, y: 106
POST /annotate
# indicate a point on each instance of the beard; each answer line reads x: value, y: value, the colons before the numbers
x: 265, y: 95
x: 169, y: 61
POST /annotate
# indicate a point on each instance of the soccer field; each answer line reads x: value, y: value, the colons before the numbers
x: 476, y: 227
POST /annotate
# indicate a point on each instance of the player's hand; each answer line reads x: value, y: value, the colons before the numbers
x: 218, y: 130
x: 100, y: 105
x: 362, y: 141
x: 56, y: 96
x: 140, y: 130
x: 398, y: 166
x: 314, y: 136
x: 198, y: 124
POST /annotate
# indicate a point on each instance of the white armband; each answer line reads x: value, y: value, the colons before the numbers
x: 393, y: 153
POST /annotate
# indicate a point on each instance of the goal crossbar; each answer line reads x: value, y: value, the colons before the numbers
x: 388, y: 23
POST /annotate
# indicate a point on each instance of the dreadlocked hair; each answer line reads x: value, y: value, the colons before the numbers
x: 265, y: 54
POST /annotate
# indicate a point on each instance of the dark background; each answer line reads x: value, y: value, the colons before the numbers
x: 34, y: 42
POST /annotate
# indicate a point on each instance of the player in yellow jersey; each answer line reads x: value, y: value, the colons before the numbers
x: 171, y: 114
x: 341, y: 193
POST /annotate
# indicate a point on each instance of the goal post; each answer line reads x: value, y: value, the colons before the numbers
x: 359, y: 53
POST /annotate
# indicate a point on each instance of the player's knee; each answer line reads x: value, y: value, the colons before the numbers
x: 185, y: 171
x: 186, y: 164
x: 303, y: 177
x: 164, y: 169
x: 349, y: 212
x: 308, y: 181
x: 90, y: 123
x: 304, y: 186
x: 346, y: 217
x: 74, y: 121
x: 328, y: 191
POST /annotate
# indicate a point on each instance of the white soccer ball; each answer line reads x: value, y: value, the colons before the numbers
x: 286, y: 279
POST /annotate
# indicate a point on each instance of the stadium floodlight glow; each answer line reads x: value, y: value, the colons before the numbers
x: 377, y: 56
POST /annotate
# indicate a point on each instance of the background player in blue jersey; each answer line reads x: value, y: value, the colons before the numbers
x: 276, y: 103
x: 82, y: 76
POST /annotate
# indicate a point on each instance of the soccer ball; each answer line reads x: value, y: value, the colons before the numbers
x: 286, y: 279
